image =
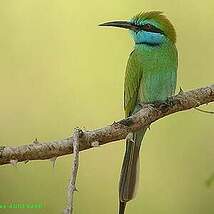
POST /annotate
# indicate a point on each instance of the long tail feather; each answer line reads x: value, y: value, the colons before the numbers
x: 130, y: 170
x: 122, y: 207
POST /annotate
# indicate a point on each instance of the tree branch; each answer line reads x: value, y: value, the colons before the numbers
x: 72, y: 182
x: 117, y: 131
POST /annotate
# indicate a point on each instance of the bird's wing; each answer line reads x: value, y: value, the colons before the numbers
x: 133, y: 76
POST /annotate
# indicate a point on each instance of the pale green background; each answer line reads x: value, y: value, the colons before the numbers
x: 60, y: 70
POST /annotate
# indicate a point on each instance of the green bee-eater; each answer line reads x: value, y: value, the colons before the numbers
x: 150, y: 76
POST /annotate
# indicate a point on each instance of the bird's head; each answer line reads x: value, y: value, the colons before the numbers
x: 150, y: 28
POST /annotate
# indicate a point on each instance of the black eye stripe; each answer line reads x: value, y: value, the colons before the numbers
x: 149, y: 28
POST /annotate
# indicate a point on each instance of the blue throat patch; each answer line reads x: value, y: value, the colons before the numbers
x: 148, y: 38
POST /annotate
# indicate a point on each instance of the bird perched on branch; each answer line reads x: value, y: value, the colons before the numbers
x: 151, y: 75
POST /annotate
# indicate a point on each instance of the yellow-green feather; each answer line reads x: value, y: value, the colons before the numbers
x: 132, y: 83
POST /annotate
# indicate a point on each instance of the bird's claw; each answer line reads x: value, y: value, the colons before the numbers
x: 169, y: 102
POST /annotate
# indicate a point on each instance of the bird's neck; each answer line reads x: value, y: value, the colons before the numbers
x: 154, y: 46
x: 165, y: 53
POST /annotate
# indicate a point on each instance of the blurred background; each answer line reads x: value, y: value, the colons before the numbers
x: 60, y: 70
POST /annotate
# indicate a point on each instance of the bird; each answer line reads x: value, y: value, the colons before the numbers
x: 150, y: 76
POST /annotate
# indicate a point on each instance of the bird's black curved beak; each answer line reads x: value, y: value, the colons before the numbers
x: 121, y: 24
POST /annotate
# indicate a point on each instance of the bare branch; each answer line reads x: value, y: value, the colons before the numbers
x: 117, y: 131
x: 72, y: 183
x: 204, y: 111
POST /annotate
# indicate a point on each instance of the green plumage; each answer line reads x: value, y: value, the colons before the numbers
x: 150, y: 76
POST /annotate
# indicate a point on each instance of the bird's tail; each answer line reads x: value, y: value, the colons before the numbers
x: 130, y: 170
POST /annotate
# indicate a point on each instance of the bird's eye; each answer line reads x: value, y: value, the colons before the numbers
x: 147, y: 27
x: 151, y: 28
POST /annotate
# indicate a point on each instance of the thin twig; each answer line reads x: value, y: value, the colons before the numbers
x: 204, y: 111
x: 72, y: 182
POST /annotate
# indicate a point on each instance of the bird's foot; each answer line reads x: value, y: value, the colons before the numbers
x: 169, y: 102
x: 163, y: 105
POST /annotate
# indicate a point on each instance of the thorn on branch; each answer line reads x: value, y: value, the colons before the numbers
x: 53, y: 161
x: 95, y: 144
x: 36, y: 141
x: 14, y: 162
x: 114, y: 123
x: 26, y: 161
x: 76, y: 190
x: 181, y: 91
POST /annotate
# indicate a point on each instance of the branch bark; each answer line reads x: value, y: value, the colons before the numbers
x: 72, y: 182
x: 116, y: 131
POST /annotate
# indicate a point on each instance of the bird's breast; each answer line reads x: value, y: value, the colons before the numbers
x: 159, y: 72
